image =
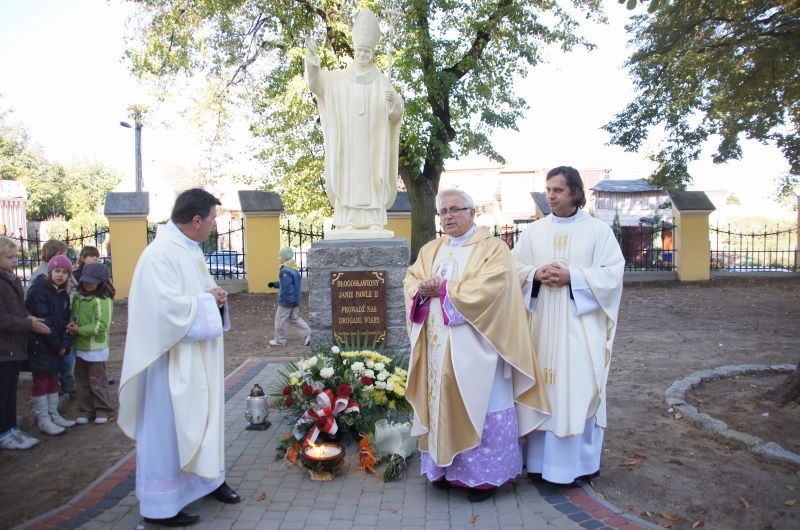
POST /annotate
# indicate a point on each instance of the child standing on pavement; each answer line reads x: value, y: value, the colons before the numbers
x: 14, y: 325
x: 289, y: 299
x: 48, y: 299
x: 92, y: 309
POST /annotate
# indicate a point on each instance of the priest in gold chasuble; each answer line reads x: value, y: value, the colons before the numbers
x: 473, y: 378
x: 571, y: 269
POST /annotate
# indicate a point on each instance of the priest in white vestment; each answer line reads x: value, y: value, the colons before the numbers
x: 360, y: 114
x: 172, y: 386
x: 571, y: 269
x: 473, y: 379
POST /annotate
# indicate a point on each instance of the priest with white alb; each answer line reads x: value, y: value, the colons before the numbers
x: 172, y: 386
x: 571, y: 269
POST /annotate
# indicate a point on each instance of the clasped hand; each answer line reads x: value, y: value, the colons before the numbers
x: 220, y: 296
x: 552, y: 275
x: 429, y: 287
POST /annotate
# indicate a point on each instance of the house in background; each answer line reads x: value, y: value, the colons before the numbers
x: 641, y: 215
x: 505, y: 197
x: 12, y: 209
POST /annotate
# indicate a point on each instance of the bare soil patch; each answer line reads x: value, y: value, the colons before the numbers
x: 655, y: 466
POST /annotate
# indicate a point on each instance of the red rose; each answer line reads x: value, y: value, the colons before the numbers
x: 308, y: 390
x: 287, y: 390
x: 344, y: 391
x: 366, y: 380
x: 288, y: 401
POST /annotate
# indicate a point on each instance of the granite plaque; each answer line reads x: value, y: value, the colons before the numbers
x: 358, y: 304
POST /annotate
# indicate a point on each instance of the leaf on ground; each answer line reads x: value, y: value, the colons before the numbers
x: 262, y: 496
x: 637, y: 455
x: 678, y: 415
x: 473, y: 519
x: 698, y: 523
x: 671, y: 517
x: 393, y: 510
x: 789, y: 487
x: 790, y: 502
x: 629, y: 464
x: 744, y: 503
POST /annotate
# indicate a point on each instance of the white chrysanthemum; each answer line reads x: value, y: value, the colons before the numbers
x: 389, y: 386
x: 358, y: 366
x: 379, y: 366
x: 326, y: 373
x: 383, y: 375
x: 335, y: 349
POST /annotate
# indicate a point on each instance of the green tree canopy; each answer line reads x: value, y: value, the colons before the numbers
x: 714, y: 70
x: 70, y: 191
x: 455, y: 64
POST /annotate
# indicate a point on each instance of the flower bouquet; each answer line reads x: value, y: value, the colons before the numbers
x: 340, y: 393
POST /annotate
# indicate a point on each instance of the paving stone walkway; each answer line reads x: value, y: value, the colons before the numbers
x: 278, y: 497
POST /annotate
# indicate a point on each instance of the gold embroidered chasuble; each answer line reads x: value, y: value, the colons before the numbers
x: 574, y: 351
x: 452, y: 368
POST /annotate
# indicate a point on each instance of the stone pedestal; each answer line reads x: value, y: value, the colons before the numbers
x: 326, y: 257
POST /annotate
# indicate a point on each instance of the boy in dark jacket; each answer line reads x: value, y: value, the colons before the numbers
x: 289, y: 299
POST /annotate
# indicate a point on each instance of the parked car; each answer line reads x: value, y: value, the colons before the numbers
x: 225, y: 264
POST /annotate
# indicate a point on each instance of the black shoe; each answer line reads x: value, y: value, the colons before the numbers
x: 441, y: 484
x: 180, y: 519
x: 589, y: 477
x: 225, y: 493
x: 479, y: 495
x: 535, y: 478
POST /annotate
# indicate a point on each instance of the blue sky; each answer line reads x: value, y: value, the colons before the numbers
x: 62, y: 73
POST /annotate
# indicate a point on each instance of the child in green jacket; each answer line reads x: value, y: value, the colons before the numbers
x: 92, y: 309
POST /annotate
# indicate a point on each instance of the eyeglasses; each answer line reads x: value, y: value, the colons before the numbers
x: 453, y: 211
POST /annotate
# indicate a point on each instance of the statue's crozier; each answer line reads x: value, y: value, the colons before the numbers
x: 360, y: 114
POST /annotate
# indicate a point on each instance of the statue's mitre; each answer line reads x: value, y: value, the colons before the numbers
x: 366, y: 29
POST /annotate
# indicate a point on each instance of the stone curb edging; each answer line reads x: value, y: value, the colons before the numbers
x: 676, y: 397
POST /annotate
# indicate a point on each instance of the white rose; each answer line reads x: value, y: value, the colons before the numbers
x: 358, y: 366
x: 369, y: 387
x: 389, y: 387
x: 370, y: 364
x: 311, y: 361
x: 379, y: 366
x: 369, y: 373
x: 335, y: 349
x: 383, y: 375
x: 326, y: 372
x: 380, y: 385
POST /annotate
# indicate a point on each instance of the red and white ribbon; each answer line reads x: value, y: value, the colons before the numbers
x: 323, y: 415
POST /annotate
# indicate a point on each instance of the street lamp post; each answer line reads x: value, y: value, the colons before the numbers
x: 138, y: 148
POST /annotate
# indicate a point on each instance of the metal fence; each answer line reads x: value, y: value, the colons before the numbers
x: 766, y: 251
x: 300, y: 237
x: 30, y: 248
x: 645, y: 248
x: 224, y: 250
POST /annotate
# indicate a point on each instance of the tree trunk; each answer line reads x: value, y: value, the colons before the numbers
x: 788, y: 390
x: 422, y: 195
